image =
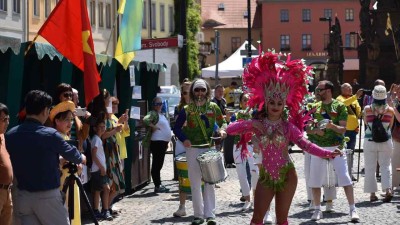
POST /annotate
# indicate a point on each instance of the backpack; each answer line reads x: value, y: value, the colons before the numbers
x: 379, y: 133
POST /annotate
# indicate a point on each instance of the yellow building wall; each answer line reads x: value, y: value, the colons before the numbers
x: 157, y: 33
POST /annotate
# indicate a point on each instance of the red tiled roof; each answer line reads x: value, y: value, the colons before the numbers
x: 232, y: 16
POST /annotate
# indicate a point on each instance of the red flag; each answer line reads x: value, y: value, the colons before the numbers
x: 68, y: 30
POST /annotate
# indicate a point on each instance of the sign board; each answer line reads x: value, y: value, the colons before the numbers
x: 253, y: 52
x: 245, y: 61
x: 162, y: 42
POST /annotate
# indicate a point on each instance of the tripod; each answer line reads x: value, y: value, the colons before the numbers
x: 69, y: 186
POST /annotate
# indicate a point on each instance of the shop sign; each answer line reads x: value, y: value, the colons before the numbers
x: 316, y: 54
x: 172, y: 42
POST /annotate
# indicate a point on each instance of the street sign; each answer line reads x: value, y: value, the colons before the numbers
x: 253, y: 52
x: 162, y: 43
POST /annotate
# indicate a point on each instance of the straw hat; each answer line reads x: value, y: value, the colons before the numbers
x: 61, y: 107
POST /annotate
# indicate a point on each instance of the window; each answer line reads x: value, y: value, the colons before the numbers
x: 306, y: 42
x: 326, y: 41
x: 144, y: 22
x: 108, y: 15
x: 350, y: 41
x: 47, y: 8
x: 221, y: 7
x: 306, y: 15
x: 92, y: 12
x: 101, y: 15
x: 284, y: 15
x: 349, y: 14
x: 17, y: 6
x: 153, y: 16
x: 36, y: 10
x: 162, y: 17
x: 171, y: 19
x: 328, y: 13
x: 3, y: 5
x: 285, y: 42
x: 235, y: 43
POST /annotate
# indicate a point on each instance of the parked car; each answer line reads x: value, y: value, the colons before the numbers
x: 173, y: 101
x: 172, y: 89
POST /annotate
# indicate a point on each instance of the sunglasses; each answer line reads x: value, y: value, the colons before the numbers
x: 68, y: 120
x: 318, y: 90
x: 67, y: 95
x: 185, y: 93
x: 5, y: 119
x: 200, y: 89
x: 157, y: 104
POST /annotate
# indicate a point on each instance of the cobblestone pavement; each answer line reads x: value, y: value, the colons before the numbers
x: 146, y: 207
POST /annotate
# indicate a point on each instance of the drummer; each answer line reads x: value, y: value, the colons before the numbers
x: 200, y: 116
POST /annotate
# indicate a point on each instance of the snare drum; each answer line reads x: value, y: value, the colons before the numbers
x: 212, y: 166
x: 182, y: 167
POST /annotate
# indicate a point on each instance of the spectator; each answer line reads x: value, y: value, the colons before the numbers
x: 352, y: 125
x: 329, y: 137
x: 355, y: 84
x: 378, y: 151
x: 34, y: 151
x: 394, y: 103
x: 229, y: 94
x: 219, y: 98
x: 160, y: 136
x: 6, y: 172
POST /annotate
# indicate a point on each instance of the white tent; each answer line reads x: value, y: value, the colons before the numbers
x: 229, y: 68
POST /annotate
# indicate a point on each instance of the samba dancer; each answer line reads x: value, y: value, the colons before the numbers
x: 272, y: 84
x: 201, y: 115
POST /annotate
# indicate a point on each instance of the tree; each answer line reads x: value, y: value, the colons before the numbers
x: 192, y: 22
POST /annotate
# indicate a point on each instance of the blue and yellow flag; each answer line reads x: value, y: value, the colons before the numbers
x: 129, y: 39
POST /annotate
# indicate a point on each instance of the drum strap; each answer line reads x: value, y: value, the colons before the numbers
x: 203, y: 129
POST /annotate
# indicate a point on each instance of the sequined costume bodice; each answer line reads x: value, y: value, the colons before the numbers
x: 273, y: 139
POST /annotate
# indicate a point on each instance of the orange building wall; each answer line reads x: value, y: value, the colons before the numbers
x: 272, y: 27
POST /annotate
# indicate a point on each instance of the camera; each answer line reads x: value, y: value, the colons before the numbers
x: 80, y: 111
x: 367, y: 91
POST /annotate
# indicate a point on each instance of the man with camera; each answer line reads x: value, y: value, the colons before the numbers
x: 34, y: 151
x: 352, y: 125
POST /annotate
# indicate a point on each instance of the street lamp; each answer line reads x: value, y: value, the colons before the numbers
x: 329, y: 19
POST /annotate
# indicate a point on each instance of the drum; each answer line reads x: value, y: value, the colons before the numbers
x: 212, y: 167
x: 183, y: 176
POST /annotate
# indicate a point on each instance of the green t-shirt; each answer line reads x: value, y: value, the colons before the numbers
x: 193, y: 131
x: 335, y: 111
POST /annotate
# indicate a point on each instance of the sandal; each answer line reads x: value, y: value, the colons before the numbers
x: 388, y: 197
x: 373, y: 198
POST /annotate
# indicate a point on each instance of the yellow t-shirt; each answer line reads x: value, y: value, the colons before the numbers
x: 354, y: 112
x: 121, y: 138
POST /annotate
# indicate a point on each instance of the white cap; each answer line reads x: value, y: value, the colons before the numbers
x: 200, y: 83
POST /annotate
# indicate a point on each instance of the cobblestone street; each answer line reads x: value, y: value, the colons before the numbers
x: 146, y: 207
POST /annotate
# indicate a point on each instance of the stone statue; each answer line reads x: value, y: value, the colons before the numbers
x: 335, y: 50
x: 388, y: 4
x: 365, y: 20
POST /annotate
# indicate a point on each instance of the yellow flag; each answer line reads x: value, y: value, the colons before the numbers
x: 123, y: 58
x: 122, y: 7
x: 388, y: 25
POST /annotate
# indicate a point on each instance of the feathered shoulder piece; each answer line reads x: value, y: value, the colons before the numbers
x: 268, y: 77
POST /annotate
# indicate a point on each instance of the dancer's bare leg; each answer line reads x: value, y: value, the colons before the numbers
x: 283, y: 199
x: 262, y: 201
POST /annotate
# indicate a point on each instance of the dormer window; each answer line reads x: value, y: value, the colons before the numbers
x: 245, y: 15
x: 221, y: 7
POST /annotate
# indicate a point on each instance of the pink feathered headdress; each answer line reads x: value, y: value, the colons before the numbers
x: 267, y: 76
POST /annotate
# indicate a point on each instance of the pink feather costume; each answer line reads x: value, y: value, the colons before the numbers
x: 274, y: 138
x: 268, y: 77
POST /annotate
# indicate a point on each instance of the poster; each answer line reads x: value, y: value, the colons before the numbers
x: 132, y: 75
x: 135, y: 113
x: 137, y: 92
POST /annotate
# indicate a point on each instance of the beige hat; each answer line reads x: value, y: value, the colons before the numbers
x: 61, y: 107
x: 379, y: 92
x: 200, y: 83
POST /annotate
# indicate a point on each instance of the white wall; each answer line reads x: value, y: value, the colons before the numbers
x: 12, y: 24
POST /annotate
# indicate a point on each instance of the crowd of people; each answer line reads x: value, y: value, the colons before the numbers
x: 55, y: 134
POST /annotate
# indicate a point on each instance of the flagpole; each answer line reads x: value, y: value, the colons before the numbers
x: 109, y: 39
x: 31, y: 44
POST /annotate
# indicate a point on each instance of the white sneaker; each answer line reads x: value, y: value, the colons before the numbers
x: 181, y: 211
x: 329, y: 207
x: 267, y: 218
x: 354, y: 216
x: 246, y: 206
x: 317, y: 215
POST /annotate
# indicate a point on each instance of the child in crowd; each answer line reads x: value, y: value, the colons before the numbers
x: 99, y: 178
